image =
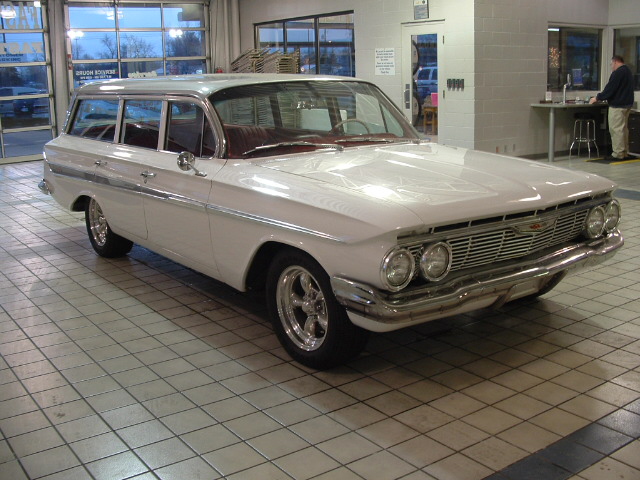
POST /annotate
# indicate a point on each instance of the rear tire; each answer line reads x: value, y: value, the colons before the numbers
x: 103, y: 240
x: 308, y: 320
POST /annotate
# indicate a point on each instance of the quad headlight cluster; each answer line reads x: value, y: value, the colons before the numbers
x: 398, y: 267
x: 602, y: 219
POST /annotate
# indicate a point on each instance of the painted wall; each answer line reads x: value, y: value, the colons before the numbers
x: 499, y: 47
x: 378, y: 24
x: 511, y: 71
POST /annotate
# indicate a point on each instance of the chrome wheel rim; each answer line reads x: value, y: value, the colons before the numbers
x: 97, y: 223
x: 302, y: 308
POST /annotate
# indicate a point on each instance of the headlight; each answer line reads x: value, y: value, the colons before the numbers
x: 595, y: 222
x: 397, y: 269
x: 435, y: 261
x: 612, y: 215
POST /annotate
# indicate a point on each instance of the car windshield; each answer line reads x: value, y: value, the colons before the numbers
x: 272, y: 118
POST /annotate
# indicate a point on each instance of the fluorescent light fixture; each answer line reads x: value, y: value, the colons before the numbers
x: 553, y: 29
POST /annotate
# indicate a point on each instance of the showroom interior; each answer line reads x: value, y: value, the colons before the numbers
x: 140, y: 368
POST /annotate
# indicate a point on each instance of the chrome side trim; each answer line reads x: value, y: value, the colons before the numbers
x: 377, y: 310
x: 172, y: 198
x: 275, y: 223
x: 119, y: 184
x: 184, y: 201
x: 65, y: 171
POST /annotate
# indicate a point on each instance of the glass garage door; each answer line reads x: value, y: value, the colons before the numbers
x: 26, y: 108
x: 131, y: 39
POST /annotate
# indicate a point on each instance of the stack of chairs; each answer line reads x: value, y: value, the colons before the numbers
x: 263, y: 61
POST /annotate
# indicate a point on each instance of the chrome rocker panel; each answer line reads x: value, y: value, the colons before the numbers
x: 379, y: 311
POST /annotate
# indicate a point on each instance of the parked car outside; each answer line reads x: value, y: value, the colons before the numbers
x: 319, y: 192
x: 19, y: 106
x: 426, y: 79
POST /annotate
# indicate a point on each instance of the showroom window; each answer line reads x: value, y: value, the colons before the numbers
x: 325, y: 42
x: 26, y: 112
x: 627, y: 45
x: 576, y: 52
x: 136, y: 40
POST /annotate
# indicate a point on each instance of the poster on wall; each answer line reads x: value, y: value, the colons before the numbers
x: 385, y: 61
x: 420, y: 9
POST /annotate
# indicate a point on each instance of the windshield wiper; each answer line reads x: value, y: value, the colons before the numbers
x: 365, y: 139
x: 293, y: 144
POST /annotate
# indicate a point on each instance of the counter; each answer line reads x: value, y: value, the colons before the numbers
x: 552, y: 107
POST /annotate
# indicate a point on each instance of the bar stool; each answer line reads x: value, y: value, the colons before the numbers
x: 584, y: 131
x: 430, y: 118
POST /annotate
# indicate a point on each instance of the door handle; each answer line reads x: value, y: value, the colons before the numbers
x: 407, y: 96
x: 147, y: 175
x: 97, y: 163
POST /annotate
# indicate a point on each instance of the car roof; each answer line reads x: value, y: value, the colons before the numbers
x: 195, y: 85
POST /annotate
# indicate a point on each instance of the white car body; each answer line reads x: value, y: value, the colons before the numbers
x: 346, y: 207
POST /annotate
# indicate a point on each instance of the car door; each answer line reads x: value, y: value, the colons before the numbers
x: 176, y: 191
x: 121, y: 175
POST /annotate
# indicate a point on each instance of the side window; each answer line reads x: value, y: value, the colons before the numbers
x: 141, y: 126
x: 188, y: 130
x: 95, y: 118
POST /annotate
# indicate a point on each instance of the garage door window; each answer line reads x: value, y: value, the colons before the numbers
x: 25, y: 79
x: 131, y: 40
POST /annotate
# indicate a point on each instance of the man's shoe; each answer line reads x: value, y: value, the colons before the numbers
x: 631, y: 157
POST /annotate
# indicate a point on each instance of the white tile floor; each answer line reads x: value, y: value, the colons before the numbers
x: 140, y: 368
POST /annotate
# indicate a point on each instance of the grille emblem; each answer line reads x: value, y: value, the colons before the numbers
x: 535, y: 227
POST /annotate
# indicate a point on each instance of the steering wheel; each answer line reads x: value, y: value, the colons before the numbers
x: 347, y: 120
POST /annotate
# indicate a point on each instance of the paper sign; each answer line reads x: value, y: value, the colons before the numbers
x: 385, y: 61
x: 420, y: 9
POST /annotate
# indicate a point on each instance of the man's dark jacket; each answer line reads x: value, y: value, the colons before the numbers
x: 619, y: 90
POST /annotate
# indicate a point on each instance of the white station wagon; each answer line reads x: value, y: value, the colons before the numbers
x: 317, y: 190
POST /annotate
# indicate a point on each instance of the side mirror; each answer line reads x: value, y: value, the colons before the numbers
x: 187, y: 161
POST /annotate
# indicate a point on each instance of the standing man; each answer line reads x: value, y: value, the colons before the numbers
x: 619, y: 93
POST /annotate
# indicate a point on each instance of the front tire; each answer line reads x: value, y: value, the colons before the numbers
x: 103, y: 240
x: 308, y: 320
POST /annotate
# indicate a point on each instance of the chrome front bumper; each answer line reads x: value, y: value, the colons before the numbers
x: 376, y: 310
x: 44, y: 187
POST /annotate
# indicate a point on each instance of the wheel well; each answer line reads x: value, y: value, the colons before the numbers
x: 79, y: 204
x: 257, y: 275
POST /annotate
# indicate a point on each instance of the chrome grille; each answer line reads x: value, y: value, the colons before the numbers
x: 506, y: 243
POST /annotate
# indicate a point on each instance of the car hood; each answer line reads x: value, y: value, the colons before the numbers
x: 441, y: 184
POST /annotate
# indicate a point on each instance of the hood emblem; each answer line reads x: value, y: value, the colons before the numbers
x: 535, y: 227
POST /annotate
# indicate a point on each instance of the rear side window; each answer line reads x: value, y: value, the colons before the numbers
x: 188, y: 130
x: 95, y: 118
x: 142, y: 123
